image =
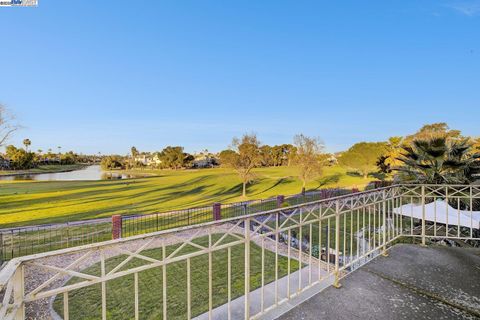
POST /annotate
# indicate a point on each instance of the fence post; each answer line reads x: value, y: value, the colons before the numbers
x: 116, y: 226
x: 19, y: 292
x: 336, y: 282
x: 384, y: 209
x: 247, y: 269
x: 217, y: 211
x: 423, y: 216
x: 68, y: 235
x: 280, y: 201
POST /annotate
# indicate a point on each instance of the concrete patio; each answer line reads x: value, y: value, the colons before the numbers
x: 414, y: 282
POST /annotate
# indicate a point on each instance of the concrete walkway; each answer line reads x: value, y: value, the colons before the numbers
x: 414, y: 282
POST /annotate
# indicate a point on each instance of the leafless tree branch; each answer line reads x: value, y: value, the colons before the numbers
x: 7, y: 125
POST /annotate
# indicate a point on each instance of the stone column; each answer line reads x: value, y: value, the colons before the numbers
x: 116, y: 226
x: 217, y: 211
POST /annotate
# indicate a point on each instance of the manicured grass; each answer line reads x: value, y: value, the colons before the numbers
x: 86, y: 303
x: 51, y: 168
x: 37, y: 202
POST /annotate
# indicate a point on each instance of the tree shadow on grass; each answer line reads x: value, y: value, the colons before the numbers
x: 354, y: 174
x: 284, y: 181
x: 111, y: 189
x: 180, y: 190
x: 331, y: 179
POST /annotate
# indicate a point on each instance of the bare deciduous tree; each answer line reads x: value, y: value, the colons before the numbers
x: 7, y: 125
x: 246, y: 155
x: 308, y: 158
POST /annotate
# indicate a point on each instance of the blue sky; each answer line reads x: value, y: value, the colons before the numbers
x: 91, y: 76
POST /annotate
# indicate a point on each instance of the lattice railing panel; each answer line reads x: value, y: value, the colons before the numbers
x: 243, y: 266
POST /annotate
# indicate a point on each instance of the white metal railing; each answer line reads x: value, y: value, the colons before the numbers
x: 240, y: 267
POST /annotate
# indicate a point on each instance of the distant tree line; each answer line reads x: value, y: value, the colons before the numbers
x: 171, y: 157
x: 248, y: 153
x: 174, y: 157
x: 19, y: 158
x: 22, y: 158
x: 278, y: 155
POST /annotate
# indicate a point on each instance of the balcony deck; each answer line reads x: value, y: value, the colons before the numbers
x: 414, y: 282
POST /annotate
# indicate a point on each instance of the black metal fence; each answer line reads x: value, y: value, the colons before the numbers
x: 21, y: 241
x: 140, y: 224
x: 316, y: 195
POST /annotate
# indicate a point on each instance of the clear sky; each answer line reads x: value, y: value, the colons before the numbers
x: 96, y: 76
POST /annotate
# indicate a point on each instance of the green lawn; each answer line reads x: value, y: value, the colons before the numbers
x: 43, y: 169
x: 27, y: 203
x: 86, y: 303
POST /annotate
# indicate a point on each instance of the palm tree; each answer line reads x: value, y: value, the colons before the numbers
x: 476, y: 144
x: 439, y: 160
x: 134, y: 153
x: 394, y: 151
x: 26, y: 143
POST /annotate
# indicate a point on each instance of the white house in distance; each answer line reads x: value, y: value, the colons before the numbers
x: 204, y: 159
x: 4, y: 163
x: 148, y: 159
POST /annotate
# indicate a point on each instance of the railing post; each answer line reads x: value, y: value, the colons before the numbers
x: 217, y: 211
x: 2, y: 252
x: 116, y: 226
x: 384, y: 209
x: 19, y: 292
x: 336, y: 282
x: 247, y: 269
x: 423, y: 216
x: 280, y: 202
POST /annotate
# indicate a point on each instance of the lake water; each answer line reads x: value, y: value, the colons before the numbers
x: 89, y: 173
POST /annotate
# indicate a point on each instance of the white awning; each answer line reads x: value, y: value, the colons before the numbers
x: 441, y: 212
